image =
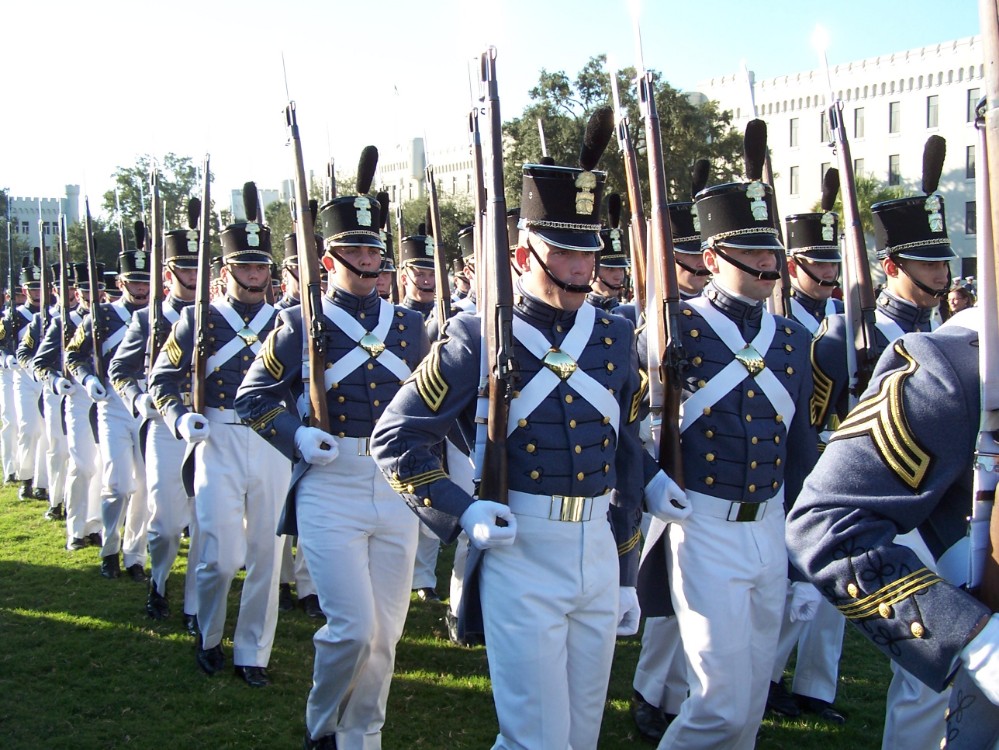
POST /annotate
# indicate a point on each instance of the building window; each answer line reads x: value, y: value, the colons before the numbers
x: 858, y: 122
x: 858, y: 167
x: 894, y: 171
x: 24, y: 228
x: 823, y: 168
x: 795, y: 180
x: 932, y: 111
x: 794, y: 132
x: 973, y: 96
x: 970, y: 218
x: 894, y: 117
x: 969, y: 163
x: 825, y: 135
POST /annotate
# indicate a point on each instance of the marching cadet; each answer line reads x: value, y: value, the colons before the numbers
x: 746, y: 446
x: 112, y: 289
x: 123, y: 487
x: 386, y: 277
x: 416, y: 259
x: 8, y: 425
x: 83, y: 475
x: 170, y: 507
x: 865, y: 496
x: 359, y: 540
x: 813, y: 265
x: 613, y: 263
x: 238, y: 478
x: 552, y: 587
x: 27, y: 390
x: 466, y: 244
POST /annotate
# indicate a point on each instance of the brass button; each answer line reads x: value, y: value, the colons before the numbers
x: 403, y: 344
x: 701, y: 383
x: 572, y: 424
x: 710, y: 457
x: 852, y: 590
x: 749, y: 417
x: 754, y: 440
x: 606, y: 442
x: 220, y: 382
x: 605, y: 420
x: 221, y: 408
x: 790, y: 370
x: 342, y: 417
x: 610, y: 367
x: 884, y: 610
x: 706, y: 411
x: 788, y: 348
x: 340, y: 399
x: 688, y: 313
x: 697, y: 361
x: 530, y: 448
x: 777, y: 462
x: 752, y: 464
x: 709, y: 481
x: 371, y: 366
x: 344, y: 434
x: 362, y: 316
x: 329, y: 365
x: 788, y: 330
x: 246, y: 357
x: 752, y: 488
x: 777, y: 439
x: 750, y: 393
x: 376, y: 402
x: 578, y: 449
x: 335, y: 386
x: 606, y: 469
x: 580, y: 477
x: 568, y: 398
x: 522, y: 422
x: 535, y: 474
x: 372, y: 386
x: 211, y: 325
x: 221, y: 395
x: 775, y: 485
x: 426, y: 502
x: 917, y: 630
x: 608, y: 340
x: 709, y: 434
x: 694, y: 333
x: 514, y: 394
x: 779, y: 418
x: 402, y: 327
x: 559, y: 328
x: 273, y: 432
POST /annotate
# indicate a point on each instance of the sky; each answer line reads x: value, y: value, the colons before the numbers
x: 92, y: 86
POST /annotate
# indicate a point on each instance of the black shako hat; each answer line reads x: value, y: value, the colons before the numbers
x: 685, y: 227
x: 466, y: 241
x: 814, y: 236
x: 180, y: 246
x: 247, y: 241
x: 355, y: 220
x: 739, y: 215
x: 81, y: 275
x: 614, y: 240
x: 562, y: 205
x: 417, y: 250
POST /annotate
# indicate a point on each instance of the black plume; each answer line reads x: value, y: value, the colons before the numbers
x: 383, y: 205
x: 933, y: 159
x: 830, y: 188
x: 548, y: 161
x: 193, y: 212
x: 755, y: 149
x: 140, y: 234
x: 429, y: 224
x: 598, y: 134
x: 421, y: 230
x: 250, y: 201
x: 699, y: 176
x: 614, y: 210
x: 366, y: 169
x: 313, y: 210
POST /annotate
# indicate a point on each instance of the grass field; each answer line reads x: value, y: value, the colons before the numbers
x: 82, y: 666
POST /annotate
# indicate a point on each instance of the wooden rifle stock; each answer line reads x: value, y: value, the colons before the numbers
x: 497, y: 309
x: 96, y: 313
x: 45, y: 273
x: 63, y: 292
x: 202, y: 297
x: 478, y: 234
x: 311, y: 286
x: 156, y: 334
x: 442, y: 299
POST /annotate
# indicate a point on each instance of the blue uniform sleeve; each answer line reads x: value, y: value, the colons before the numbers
x: 128, y: 365
x: 48, y: 357
x: 80, y: 349
x: 29, y: 343
x: 172, y: 371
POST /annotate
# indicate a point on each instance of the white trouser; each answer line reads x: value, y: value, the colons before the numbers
x: 915, y: 716
x: 459, y: 467
x: 123, y: 483
x: 359, y: 540
x: 820, y: 643
x: 550, y: 610
x: 425, y: 561
x: 57, y: 455
x: 240, y: 481
x: 170, y: 510
x: 294, y: 568
x: 30, y: 431
x: 661, y: 673
x: 728, y: 581
x: 8, y: 423
x: 83, y: 482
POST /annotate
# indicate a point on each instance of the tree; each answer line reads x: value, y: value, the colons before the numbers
x: 456, y: 211
x: 870, y: 190
x: 689, y: 131
x: 277, y: 217
x: 179, y: 180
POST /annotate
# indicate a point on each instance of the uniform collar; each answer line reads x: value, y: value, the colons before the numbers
x: 244, y: 308
x: 352, y: 303
x: 421, y: 307
x: 602, y: 302
x: 903, y: 312
x: 540, y: 314
x: 735, y: 307
x: 177, y: 303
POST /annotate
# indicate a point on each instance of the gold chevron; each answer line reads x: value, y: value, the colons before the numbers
x: 77, y: 341
x: 172, y: 350
x: 430, y: 383
x: 890, y: 595
x: 629, y: 544
x: 818, y: 406
x: 408, y: 486
x: 883, y: 419
x: 272, y: 364
x: 262, y: 422
x: 640, y: 394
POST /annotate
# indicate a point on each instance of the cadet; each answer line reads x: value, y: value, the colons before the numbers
x: 613, y: 264
x: 170, y: 507
x: 864, y: 496
x: 8, y: 427
x: 123, y: 487
x: 359, y: 540
x: 552, y: 587
x: 238, y: 478
x: 416, y: 259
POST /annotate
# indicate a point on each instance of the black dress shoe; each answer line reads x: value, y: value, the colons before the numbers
x: 311, y: 606
x: 428, y: 594
x: 11, y: 479
x: 55, y: 513
x: 326, y: 742
x: 40, y: 493
x: 157, y: 605
x: 76, y: 543
x: 110, y: 567
x: 285, y: 601
x: 26, y: 492
x: 253, y: 676
x: 211, y: 660
x: 650, y: 721
x: 823, y: 709
x: 137, y: 572
x: 191, y: 624
x: 95, y: 539
x: 781, y: 702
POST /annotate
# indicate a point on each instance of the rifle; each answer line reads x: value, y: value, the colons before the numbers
x: 442, y: 300
x: 309, y: 281
x: 63, y: 291
x: 541, y: 134
x: 475, y: 145
x: 637, y: 227
x: 123, y: 241
x: 45, y: 271
x: 156, y: 273
x: 11, y: 272
x: 202, y: 301
x: 858, y: 297
x: 666, y: 356
x: 497, y: 310
x: 96, y: 313
x: 330, y: 181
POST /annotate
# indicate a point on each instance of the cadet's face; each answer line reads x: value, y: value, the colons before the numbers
x: 34, y: 296
x: 256, y: 276
x: 421, y: 283
x: 289, y: 282
x: 932, y: 273
x: 182, y: 282
x: 612, y: 279
x: 822, y: 271
x: 136, y: 292
x: 384, y: 284
x: 690, y: 283
x: 958, y: 301
x: 738, y: 281
x: 569, y: 266
x: 363, y: 258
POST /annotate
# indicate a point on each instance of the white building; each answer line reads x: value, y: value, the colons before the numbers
x: 892, y: 104
x: 265, y: 197
x: 404, y: 178
x: 25, y: 213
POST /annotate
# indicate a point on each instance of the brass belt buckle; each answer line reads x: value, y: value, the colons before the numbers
x: 742, y: 512
x: 571, y: 509
x: 363, y: 446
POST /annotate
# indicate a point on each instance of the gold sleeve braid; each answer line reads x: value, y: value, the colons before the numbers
x: 272, y: 364
x: 640, y: 394
x: 629, y: 544
x: 818, y: 406
x: 887, y: 596
x: 172, y: 350
x: 409, y: 486
x: 77, y: 341
x: 430, y: 383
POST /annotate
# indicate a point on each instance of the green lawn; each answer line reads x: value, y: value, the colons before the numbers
x: 82, y: 666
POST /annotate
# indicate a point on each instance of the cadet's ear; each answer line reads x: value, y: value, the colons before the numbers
x: 890, y: 267
x: 327, y: 262
x: 711, y: 260
x: 521, y: 257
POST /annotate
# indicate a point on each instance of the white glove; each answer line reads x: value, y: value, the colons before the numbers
x: 145, y: 407
x: 805, y: 600
x: 479, y: 521
x: 10, y: 361
x: 628, y: 611
x: 981, y: 659
x: 665, y: 500
x: 94, y: 389
x: 316, y: 446
x: 61, y: 386
x: 193, y: 428
x: 645, y: 430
